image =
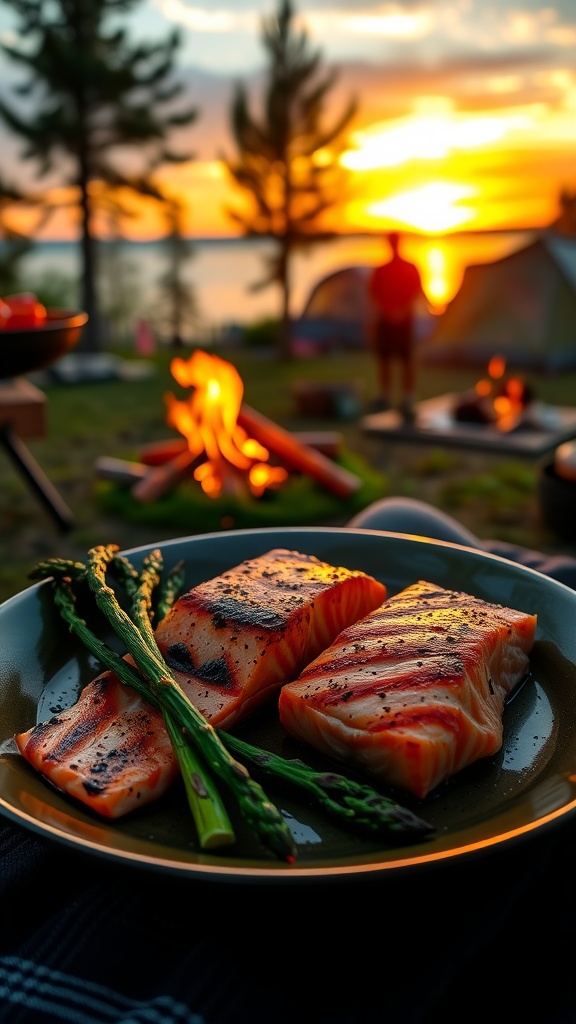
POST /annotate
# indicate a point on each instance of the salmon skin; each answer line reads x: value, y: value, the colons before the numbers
x: 231, y: 643
x: 415, y: 691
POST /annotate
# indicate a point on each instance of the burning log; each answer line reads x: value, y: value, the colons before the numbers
x: 156, y: 453
x: 470, y: 407
x: 161, y: 479
x: 159, y: 452
x: 298, y: 456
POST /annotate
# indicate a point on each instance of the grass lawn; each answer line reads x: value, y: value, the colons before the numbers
x: 493, y: 495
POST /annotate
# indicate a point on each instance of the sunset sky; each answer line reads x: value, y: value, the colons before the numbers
x: 467, y: 109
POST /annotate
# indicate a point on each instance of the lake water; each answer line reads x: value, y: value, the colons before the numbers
x: 221, y: 272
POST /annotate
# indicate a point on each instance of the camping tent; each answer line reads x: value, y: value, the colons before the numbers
x: 522, y: 307
x: 338, y: 312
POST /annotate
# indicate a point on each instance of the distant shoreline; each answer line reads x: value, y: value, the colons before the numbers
x: 228, y: 240
x: 222, y: 271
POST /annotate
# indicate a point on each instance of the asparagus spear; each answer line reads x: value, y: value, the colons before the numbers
x: 208, y: 810
x: 58, y: 568
x: 264, y: 818
x: 349, y: 802
x: 169, y: 586
x: 170, y: 589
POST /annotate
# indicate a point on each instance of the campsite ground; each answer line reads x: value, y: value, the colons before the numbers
x: 494, y: 495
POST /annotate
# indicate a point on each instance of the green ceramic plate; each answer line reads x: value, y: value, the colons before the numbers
x: 527, y: 789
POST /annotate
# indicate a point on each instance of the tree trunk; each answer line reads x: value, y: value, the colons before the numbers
x: 285, y: 333
x: 92, y: 335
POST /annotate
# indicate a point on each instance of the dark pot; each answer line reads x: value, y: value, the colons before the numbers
x: 557, y: 497
x: 34, y: 348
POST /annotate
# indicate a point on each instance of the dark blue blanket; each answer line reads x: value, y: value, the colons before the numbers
x: 89, y: 942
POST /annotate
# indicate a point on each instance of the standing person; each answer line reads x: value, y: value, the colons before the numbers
x: 394, y: 287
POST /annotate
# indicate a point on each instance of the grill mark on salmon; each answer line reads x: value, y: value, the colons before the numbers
x: 415, y: 691
x: 231, y: 643
x: 110, y: 750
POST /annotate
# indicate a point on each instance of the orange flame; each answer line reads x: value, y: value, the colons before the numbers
x: 506, y: 403
x: 496, y: 370
x: 497, y: 367
x: 208, y: 420
x: 483, y: 388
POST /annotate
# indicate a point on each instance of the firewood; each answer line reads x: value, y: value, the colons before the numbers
x: 328, y: 442
x: 120, y: 471
x: 161, y: 479
x: 171, y: 460
x: 297, y: 456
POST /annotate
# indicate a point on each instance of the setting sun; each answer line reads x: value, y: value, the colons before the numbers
x: 431, y: 208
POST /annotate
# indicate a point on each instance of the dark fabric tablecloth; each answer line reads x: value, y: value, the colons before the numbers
x: 87, y: 940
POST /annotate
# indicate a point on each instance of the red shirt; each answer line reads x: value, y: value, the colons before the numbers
x: 394, y: 287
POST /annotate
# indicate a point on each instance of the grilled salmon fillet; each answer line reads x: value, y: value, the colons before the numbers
x: 231, y: 643
x: 110, y: 750
x: 415, y: 691
x: 234, y: 640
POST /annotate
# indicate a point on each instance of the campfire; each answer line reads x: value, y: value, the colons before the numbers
x: 225, y: 456
x: 233, y: 457
x: 496, y: 399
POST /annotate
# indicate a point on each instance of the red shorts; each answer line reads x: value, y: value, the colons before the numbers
x: 394, y: 339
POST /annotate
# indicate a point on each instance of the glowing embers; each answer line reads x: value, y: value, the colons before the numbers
x: 227, y: 458
x: 496, y: 399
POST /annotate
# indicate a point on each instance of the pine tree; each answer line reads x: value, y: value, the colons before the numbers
x: 287, y: 162
x: 95, y: 94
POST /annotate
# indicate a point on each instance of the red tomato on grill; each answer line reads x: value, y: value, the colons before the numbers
x: 21, y: 311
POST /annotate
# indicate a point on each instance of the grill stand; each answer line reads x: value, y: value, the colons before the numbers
x: 22, y: 414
